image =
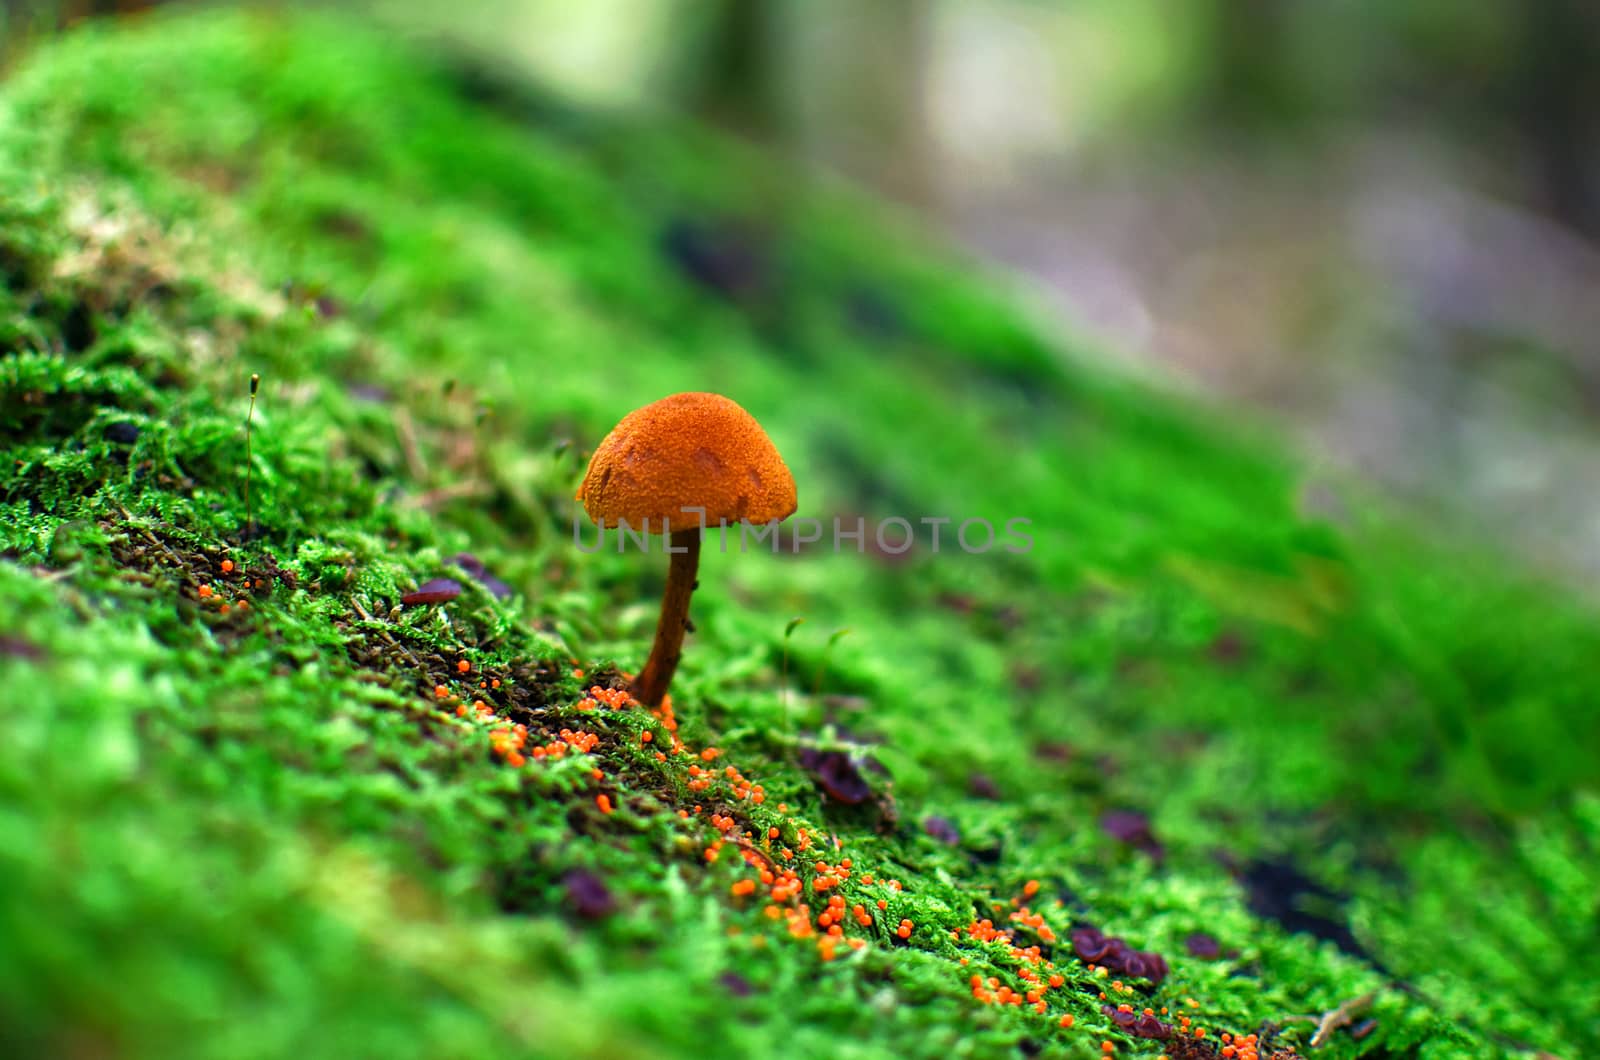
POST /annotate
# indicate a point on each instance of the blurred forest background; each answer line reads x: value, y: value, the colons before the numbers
x: 1375, y: 221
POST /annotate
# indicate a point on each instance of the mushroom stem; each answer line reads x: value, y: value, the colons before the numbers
x: 651, y: 685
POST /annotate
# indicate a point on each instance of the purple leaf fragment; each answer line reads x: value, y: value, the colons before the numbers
x: 436, y: 591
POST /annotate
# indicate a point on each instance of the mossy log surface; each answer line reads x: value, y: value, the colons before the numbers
x: 1225, y: 709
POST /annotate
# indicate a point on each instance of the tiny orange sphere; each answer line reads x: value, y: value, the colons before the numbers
x: 205, y: 591
x: 227, y: 566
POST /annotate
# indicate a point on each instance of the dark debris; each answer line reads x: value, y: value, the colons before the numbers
x: 16, y: 648
x: 588, y: 894
x: 942, y: 829
x: 721, y: 257
x: 1133, y: 828
x: 983, y: 786
x: 1278, y: 891
x: 838, y: 774
x: 1093, y: 946
x: 1230, y: 648
x: 121, y: 433
x: 735, y: 984
x: 1138, y: 1024
x: 436, y: 591
x: 1182, y: 1048
x: 475, y: 569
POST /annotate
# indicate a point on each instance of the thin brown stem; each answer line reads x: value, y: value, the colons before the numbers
x: 249, y: 458
x: 653, y: 681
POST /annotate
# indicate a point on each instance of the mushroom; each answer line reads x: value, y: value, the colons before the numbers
x: 676, y: 466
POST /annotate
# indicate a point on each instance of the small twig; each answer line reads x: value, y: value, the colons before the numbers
x: 249, y: 458
x: 1342, y: 1016
x: 384, y: 633
x: 153, y: 539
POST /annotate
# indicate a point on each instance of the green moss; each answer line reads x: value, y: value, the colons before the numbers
x: 258, y: 833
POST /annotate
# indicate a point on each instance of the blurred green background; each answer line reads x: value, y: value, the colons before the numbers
x: 1373, y: 221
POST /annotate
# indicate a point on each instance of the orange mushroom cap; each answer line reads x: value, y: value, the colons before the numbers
x: 687, y: 451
